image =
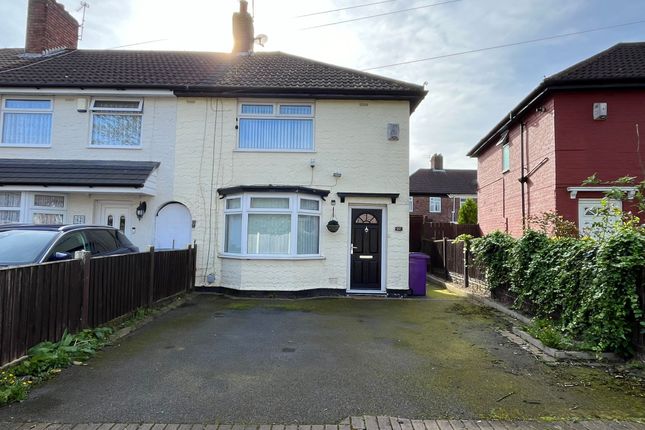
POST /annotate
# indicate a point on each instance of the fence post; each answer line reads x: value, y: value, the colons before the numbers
x: 466, y: 257
x: 444, y: 249
x: 189, y: 265
x: 151, y: 276
x: 85, y: 257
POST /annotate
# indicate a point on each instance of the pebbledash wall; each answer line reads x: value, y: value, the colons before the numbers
x: 70, y: 140
x: 350, y: 138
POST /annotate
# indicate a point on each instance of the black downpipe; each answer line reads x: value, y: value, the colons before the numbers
x: 523, y: 177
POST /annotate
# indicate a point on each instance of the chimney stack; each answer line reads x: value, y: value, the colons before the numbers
x: 436, y: 162
x: 243, y: 33
x: 49, y: 26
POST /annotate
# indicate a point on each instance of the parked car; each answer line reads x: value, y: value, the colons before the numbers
x: 22, y: 244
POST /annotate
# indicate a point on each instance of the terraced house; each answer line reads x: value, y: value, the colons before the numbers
x: 288, y: 174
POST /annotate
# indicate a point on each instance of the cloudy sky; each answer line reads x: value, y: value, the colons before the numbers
x: 468, y: 94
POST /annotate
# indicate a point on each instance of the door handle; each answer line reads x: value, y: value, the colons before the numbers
x: 352, y: 248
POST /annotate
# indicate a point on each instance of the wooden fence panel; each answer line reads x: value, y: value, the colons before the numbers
x: 38, y: 303
x: 416, y: 232
x: 118, y: 286
x: 439, y: 230
x: 172, y: 273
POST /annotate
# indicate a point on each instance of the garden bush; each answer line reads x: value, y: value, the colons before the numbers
x: 586, y: 288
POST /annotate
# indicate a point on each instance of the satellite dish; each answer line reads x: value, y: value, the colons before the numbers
x: 261, y: 39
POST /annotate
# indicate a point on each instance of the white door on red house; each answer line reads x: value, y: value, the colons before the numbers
x: 117, y: 215
x: 588, y: 214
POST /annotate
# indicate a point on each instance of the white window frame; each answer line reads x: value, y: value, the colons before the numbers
x: 4, y: 110
x: 276, y: 115
x: 138, y: 111
x: 506, y: 147
x: 410, y: 204
x: 294, y: 210
x: 430, y: 208
x: 28, y: 207
x: 14, y: 208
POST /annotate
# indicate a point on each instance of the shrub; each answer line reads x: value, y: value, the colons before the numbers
x: 492, y: 253
x: 467, y: 212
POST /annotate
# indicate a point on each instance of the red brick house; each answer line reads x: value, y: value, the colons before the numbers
x: 438, y: 193
x: 578, y: 122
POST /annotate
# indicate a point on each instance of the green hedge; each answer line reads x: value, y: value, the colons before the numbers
x: 586, y: 288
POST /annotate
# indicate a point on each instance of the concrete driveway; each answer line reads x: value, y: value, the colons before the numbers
x: 320, y: 360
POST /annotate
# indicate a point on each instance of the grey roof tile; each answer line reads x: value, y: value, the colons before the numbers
x: 443, y: 182
x: 93, y: 173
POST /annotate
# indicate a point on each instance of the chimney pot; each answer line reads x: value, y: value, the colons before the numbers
x: 49, y: 26
x: 436, y: 162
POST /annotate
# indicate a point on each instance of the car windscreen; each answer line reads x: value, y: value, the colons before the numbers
x: 23, y: 246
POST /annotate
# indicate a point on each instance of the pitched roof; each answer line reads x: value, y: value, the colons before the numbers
x: 443, y: 182
x: 92, y: 173
x: 221, y: 73
x: 622, y: 65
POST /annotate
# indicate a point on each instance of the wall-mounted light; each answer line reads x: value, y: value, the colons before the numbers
x: 141, y: 210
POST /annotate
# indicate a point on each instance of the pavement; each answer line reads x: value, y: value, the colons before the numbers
x: 293, y: 362
x: 353, y: 423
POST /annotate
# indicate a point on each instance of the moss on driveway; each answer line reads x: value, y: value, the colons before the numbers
x: 320, y: 360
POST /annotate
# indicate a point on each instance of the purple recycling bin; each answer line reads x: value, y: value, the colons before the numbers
x: 418, y: 269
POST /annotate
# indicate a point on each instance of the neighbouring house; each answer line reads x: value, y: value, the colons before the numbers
x: 248, y: 155
x: 438, y: 193
x: 582, y: 121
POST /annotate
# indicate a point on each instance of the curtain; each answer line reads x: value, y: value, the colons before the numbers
x: 233, y: 241
x: 257, y: 109
x: 43, y: 200
x: 276, y: 134
x: 295, y: 109
x: 309, y: 205
x: 9, y: 216
x: 9, y: 200
x: 27, y: 128
x: 308, y: 234
x: 44, y: 218
x: 269, y: 234
x: 119, y: 130
x: 270, y: 202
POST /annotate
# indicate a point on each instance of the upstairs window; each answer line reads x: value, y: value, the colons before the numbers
x: 276, y: 127
x: 435, y: 204
x: 116, y: 123
x: 506, y: 157
x: 26, y: 122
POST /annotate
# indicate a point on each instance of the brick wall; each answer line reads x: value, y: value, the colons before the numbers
x: 49, y: 26
x: 499, y: 194
x: 586, y: 146
x: 421, y: 206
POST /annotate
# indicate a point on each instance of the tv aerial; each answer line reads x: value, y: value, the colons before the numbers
x: 261, y: 39
x: 84, y: 6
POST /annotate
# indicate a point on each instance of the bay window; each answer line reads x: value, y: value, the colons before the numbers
x: 285, y: 225
x: 116, y: 123
x: 276, y: 126
x: 26, y: 122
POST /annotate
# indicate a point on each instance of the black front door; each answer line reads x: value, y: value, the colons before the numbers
x: 366, y: 249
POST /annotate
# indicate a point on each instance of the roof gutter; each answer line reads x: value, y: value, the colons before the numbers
x: 533, y: 97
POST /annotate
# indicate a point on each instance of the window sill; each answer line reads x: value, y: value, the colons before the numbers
x: 277, y: 151
x: 270, y: 257
x: 505, y: 171
x: 18, y: 145
x: 114, y: 147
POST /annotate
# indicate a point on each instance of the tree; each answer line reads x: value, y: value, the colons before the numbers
x: 467, y: 212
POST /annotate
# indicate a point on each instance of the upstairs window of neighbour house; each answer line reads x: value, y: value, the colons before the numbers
x: 435, y: 204
x: 116, y: 123
x: 286, y: 225
x: 26, y: 122
x: 506, y: 157
x: 276, y: 127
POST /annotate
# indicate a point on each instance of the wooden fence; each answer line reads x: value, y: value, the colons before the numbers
x: 42, y: 301
x: 449, y: 261
x: 448, y: 230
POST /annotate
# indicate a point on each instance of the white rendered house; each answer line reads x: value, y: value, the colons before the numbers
x: 247, y: 155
